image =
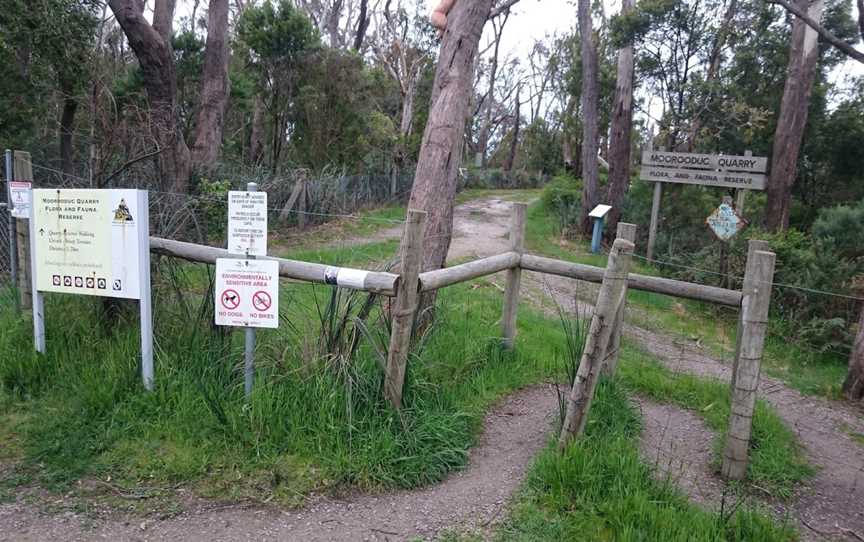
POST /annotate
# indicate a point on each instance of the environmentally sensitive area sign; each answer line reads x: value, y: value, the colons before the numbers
x: 87, y: 241
x: 19, y: 195
x: 247, y: 293
x: 725, y: 222
x: 744, y: 172
x: 247, y: 223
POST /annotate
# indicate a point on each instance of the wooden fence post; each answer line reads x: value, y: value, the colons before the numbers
x: 752, y: 246
x: 628, y: 232
x: 407, y: 299
x: 23, y: 171
x: 608, y: 300
x: 754, y: 326
x: 514, y: 277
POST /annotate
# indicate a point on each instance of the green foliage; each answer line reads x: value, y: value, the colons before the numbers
x: 842, y: 228
x: 562, y: 196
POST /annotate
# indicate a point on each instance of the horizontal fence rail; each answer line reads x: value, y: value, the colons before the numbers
x: 689, y: 290
x: 385, y: 283
x: 440, y: 278
x: 371, y: 281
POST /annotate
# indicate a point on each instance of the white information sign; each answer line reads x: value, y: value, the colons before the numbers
x: 87, y: 242
x: 19, y: 195
x: 247, y: 223
x: 247, y: 293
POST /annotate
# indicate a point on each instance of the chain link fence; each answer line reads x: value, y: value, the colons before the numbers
x: 5, y: 241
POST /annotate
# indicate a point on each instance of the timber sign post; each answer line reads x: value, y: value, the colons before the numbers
x: 742, y: 173
x: 95, y: 243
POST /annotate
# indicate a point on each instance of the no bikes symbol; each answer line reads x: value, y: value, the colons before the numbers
x: 262, y: 301
x: 230, y: 299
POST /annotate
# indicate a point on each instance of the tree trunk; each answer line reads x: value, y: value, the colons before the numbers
x: 622, y: 127
x: 153, y: 50
x: 590, y: 115
x: 861, y: 18
x: 362, y: 25
x: 514, y: 142
x: 215, y: 87
x: 486, y: 124
x: 256, y: 138
x: 435, y: 181
x: 67, y: 128
x: 803, y: 57
x: 333, y: 24
x: 853, y: 388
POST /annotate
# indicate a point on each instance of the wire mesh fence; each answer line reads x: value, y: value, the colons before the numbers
x: 5, y: 242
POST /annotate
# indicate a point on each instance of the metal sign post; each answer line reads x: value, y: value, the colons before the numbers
x: 247, y: 291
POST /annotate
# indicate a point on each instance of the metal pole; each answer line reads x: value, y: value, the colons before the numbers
x: 145, y: 304
x: 38, y: 297
x: 249, y: 359
x: 13, y: 233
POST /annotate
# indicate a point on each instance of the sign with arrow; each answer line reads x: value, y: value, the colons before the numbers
x: 91, y: 236
x: 247, y: 293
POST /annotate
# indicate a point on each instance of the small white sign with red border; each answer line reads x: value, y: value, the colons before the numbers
x: 247, y: 293
x: 19, y: 195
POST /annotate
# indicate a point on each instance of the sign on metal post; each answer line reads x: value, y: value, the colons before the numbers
x: 247, y: 293
x: 247, y: 223
x: 96, y: 243
x: 19, y: 197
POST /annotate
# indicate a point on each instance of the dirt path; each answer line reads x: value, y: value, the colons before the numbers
x: 470, y: 500
x: 514, y: 431
x: 832, y: 504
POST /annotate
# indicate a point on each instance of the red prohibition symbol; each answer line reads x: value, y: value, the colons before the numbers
x: 230, y: 299
x: 262, y: 301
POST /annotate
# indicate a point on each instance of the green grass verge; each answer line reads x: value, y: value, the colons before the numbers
x: 777, y: 464
x: 599, y: 489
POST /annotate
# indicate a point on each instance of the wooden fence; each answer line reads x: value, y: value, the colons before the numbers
x: 604, y: 336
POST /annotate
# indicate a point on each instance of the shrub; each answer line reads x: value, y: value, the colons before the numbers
x: 842, y: 227
x: 563, y: 197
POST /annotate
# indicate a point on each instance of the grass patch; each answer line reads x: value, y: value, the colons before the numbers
x: 599, y: 489
x: 777, y: 464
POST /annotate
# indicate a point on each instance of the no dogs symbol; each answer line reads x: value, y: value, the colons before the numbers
x: 262, y: 301
x: 230, y: 299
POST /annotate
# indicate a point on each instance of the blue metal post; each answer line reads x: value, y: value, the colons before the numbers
x: 598, y: 235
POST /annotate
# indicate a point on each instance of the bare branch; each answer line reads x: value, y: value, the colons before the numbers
x: 503, y: 7
x: 844, y: 47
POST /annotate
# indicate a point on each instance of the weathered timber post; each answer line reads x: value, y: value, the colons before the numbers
x: 628, y: 232
x: 752, y: 246
x: 301, y: 205
x: 611, y: 296
x: 754, y: 327
x: 514, y: 277
x: 23, y: 171
x: 407, y: 298
x: 655, y: 213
